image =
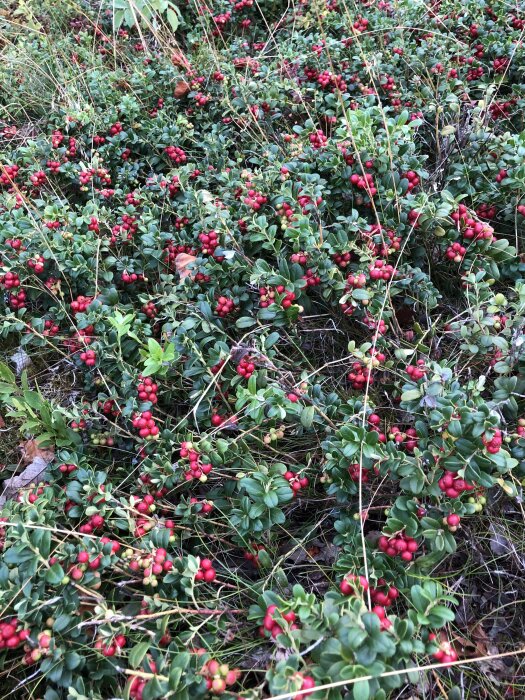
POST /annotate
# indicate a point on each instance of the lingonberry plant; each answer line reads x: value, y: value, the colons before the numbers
x: 263, y: 353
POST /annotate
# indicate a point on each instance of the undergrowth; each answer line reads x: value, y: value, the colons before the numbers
x: 262, y: 390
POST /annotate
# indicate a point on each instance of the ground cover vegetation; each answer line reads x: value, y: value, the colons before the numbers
x: 262, y: 389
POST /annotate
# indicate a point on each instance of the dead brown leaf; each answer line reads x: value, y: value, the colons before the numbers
x: 31, y: 450
x: 182, y: 263
x: 178, y: 59
x: 182, y: 88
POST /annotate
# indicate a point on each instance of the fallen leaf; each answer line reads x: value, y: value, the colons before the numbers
x: 31, y: 450
x: 178, y: 59
x: 182, y: 263
x: 182, y: 88
x: 31, y: 474
x: 21, y: 360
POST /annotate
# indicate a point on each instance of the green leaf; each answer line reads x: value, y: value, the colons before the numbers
x: 307, y: 416
x: 361, y: 690
x: 245, y: 322
x: 410, y: 395
x: 137, y: 654
x: 55, y: 574
x: 173, y: 18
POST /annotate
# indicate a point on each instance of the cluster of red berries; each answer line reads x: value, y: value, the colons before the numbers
x: 286, y: 212
x: 456, y: 252
x: 453, y: 485
x: 10, y: 280
x: 32, y: 492
x: 147, y: 389
x: 452, y: 521
x: 132, y: 277
x: 374, y: 422
x: 307, y: 683
x: 413, y: 179
x: 361, y: 24
x: 76, y: 426
x: 127, y: 229
x: 101, y: 173
x: 255, y: 200
x: 206, y: 571
x: 253, y: 557
x: 493, y: 444
x: 318, y: 139
x: 385, y: 597
x: 138, y: 685
x: 14, y: 243
x: 197, y: 469
x: 224, y: 306
x: 110, y: 648
x: 80, y: 304
x: 446, y: 653
x: 246, y: 367
x: 37, y: 264
x: 8, y: 174
x: 150, y: 309
x: 89, y: 358
x: 471, y: 229
x: 11, y: 635
x: 176, y: 154
x: 145, y: 423
x: 399, y: 545
x: 349, y: 583
x: 115, y: 129
x: 272, y: 623
x: 67, y: 468
x: 486, y: 211
x: 360, y: 376
x: 312, y: 280
x: 172, y: 250
x: 204, y: 507
x: 474, y: 74
x: 296, y: 482
x: 417, y: 371
x: 364, y: 182
x: 306, y: 202
x: 327, y: 79
x: 342, y: 260
x: 34, y: 654
x: 18, y: 300
x: 83, y: 563
x: 151, y: 564
x: 379, y: 270
x: 209, y: 242
x: 50, y: 328
x: 144, y: 505
x: 95, y: 522
x: 53, y: 166
x: 268, y: 295
x: 219, y: 676
x: 300, y: 258
x: 357, y: 281
x: 500, y: 64
x: 358, y: 473
x: 407, y: 439
x: 38, y: 178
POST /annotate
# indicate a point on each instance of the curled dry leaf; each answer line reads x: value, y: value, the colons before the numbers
x: 182, y: 265
x: 37, y: 460
x: 31, y: 450
x: 178, y: 59
x: 182, y: 88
